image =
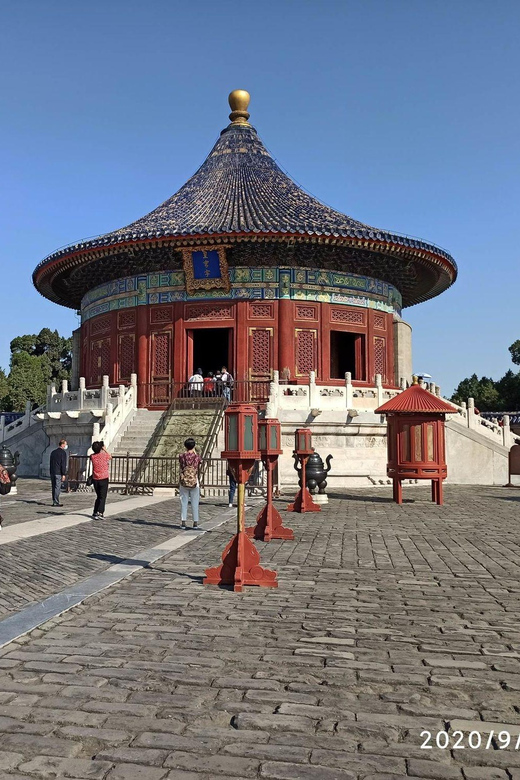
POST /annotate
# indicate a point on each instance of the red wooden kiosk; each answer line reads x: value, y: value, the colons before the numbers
x: 240, y: 560
x: 416, y: 438
x: 269, y: 523
x: 302, y: 450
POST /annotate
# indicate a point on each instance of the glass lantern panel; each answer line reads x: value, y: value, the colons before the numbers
x: 302, y: 444
x: 248, y: 432
x: 405, y: 444
x: 262, y: 437
x: 233, y: 432
x: 418, y: 442
x: 429, y: 443
x: 273, y: 437
x: 391, y: 442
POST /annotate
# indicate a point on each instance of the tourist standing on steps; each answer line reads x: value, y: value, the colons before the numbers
x: 58, y: 470
x: 227, y: 383
x: 100, y: 460
x: 189, y: 490
x: 196, y: 383
x: 209, y: 385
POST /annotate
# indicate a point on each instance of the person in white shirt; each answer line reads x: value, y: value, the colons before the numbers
x: 227, y: 383
x: 196, y: 383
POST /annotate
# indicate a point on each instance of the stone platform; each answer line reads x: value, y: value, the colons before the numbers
x: 388, y: 622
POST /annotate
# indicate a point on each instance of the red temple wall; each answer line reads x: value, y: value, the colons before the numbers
x: 155, y: 341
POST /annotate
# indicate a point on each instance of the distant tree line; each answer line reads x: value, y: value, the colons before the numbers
x: 36, y: 361
x: 491, y: 396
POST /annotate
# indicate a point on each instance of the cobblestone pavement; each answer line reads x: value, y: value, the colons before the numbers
x: 31, y: 569
x: 33, y: 501
x: 388, y: 622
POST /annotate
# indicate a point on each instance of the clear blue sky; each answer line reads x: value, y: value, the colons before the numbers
x: 401, y: 113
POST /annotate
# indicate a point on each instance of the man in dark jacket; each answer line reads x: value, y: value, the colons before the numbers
x: 58, y: 469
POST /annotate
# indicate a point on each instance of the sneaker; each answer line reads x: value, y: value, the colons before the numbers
x: 184, y: 526
x: 95, y: 516
x: 56, y: 504
x: 230, y: 505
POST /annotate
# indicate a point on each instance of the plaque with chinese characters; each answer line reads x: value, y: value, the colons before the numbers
x: 205, y: 268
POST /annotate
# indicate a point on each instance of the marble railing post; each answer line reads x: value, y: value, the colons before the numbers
x: 506, y: 431
x: 104, y: 391
x: 379, y: 389
x: 274, y: 401
x: 471, y: 413
x: 314, y: 399
x: 95, y: 431
x: 349, y: 397
x: 81, y: 392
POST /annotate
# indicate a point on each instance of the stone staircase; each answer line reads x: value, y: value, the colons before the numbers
x: 182, y: 424
x: 136, y: 436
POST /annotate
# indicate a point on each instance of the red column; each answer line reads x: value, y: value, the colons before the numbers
x: 179, y: 344
x: 114, y: 349
x: 143, y: 374
x: 286, y: 336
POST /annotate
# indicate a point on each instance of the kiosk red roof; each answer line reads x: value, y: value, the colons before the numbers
x: 416, y: 399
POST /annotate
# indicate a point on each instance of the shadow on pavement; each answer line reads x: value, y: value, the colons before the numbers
x: 113, y: 559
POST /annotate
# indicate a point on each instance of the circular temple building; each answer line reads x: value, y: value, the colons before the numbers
x: 243, y: 268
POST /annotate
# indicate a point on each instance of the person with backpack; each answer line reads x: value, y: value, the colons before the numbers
x: 227, y: 383
x: 189, y: 490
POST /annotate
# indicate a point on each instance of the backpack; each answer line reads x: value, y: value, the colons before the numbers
x: 189, y: 477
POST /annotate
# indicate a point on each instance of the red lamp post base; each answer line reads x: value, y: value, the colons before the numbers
x: 303, y: 502
x: 240, y: 566
x: 269, y: 525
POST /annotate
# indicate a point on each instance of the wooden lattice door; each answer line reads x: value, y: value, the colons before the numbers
x: 260, y: 359
x: 99, y: 361
x: 161, y: 365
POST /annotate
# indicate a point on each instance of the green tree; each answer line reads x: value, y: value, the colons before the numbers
x: 37, y: 360
x: 509, y: 391
x: 5, y: 403
x: 515, y: 352
x: 484, y: 391
x: 27, y: 380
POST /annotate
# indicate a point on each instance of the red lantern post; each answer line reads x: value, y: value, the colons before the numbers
x: 240, y: 560
x: 269, y: 523
x: 302, y: 450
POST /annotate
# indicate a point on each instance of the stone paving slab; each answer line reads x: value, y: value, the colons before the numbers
x: 33, y: 501
x: 35, y: 568
x: 390, y: 624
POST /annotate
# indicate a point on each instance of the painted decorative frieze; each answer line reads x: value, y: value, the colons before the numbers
x: 255, y: 284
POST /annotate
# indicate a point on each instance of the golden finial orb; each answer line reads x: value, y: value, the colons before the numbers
x: 238, y: 102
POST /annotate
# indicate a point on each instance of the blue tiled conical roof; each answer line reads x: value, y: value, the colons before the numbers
x: 240, y: 191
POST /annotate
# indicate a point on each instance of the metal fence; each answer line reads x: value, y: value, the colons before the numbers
x: 132, y: 472
x: 162, y: 393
